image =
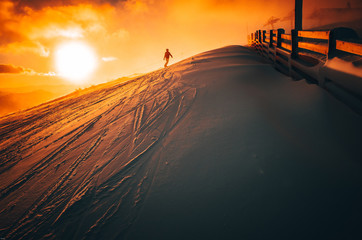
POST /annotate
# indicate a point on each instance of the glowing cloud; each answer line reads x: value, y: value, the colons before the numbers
x: 109, y: 59
x: 9, y: 68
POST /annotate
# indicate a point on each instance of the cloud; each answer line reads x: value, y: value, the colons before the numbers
x: 271, y: 21
x: 23, y: 6
x: 121, y: 34
x: 8, y: 36
x: 42, y: 25
x: 28, y: 46
x: 37, y: 29
x: 326, y: 13
x: 9, y: 68
x: 48, y: 74
x: 288, y: 17
x: 109, y: 59
x: 54, y: 32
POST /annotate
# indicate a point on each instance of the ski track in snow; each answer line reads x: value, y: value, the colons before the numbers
x: 216, y: 145
x: 87, y: 160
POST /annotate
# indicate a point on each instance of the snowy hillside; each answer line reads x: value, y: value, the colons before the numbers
x: 218, y: 146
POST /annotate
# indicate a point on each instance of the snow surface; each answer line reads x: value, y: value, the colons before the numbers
x: 218, y: 146
x: 343, y: 66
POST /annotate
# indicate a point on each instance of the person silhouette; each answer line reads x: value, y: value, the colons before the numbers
x: 167, y: 57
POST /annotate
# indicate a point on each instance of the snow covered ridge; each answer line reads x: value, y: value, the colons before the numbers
x: 83, y: 148
x: 213, y: 147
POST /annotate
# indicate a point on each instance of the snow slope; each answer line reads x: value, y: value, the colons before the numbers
x: 218, y: 146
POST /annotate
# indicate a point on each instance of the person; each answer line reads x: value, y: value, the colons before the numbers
x: 167, y: 57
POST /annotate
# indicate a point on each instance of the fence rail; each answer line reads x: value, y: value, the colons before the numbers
x: 286, y: 37
x: 314, y: 34
x: 318, y: 48
x: 349, y: 47
x: 307, y: 54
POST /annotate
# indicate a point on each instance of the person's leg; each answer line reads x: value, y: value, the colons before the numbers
x: 166, y: 62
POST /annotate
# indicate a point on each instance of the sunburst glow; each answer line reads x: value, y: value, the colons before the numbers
x: 75, y: 61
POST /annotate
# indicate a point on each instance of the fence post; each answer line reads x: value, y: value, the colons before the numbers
x: 254, y: 40
x: 263, y: 41
x: 298, y: 15
x: 339, y: 33
x: 279, y: 37
x: 294, y: 52
x: 280, y: 31
x: 270, y: 38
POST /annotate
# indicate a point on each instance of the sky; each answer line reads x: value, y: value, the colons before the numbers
x: 128, y: 36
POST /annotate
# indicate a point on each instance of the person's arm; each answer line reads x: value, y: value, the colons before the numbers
x: 171, y: 55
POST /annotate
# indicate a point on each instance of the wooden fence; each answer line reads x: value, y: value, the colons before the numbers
x: 332, y: 59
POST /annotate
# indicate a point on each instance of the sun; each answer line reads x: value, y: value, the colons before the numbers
x: 75, y: 61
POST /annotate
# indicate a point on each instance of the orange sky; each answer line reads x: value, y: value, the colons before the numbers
x: 128, y: 36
